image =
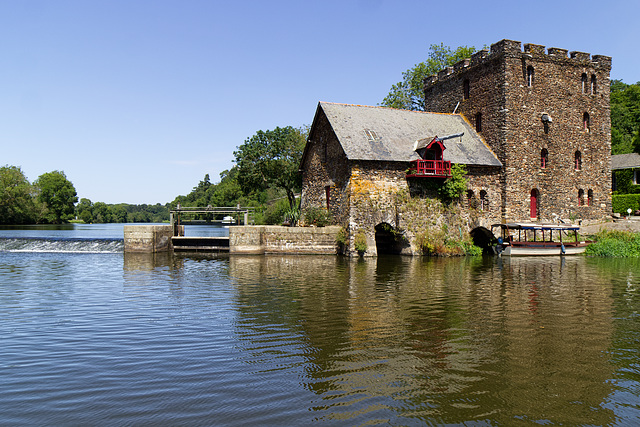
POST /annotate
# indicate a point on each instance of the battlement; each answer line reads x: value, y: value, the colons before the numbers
x: 512, y: 48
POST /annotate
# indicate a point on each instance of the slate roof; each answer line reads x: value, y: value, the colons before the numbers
x: 388, y: 134
x: 625, y: 161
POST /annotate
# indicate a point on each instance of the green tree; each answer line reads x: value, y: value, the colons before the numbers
x: 16, y: 199
x: 58, y: 195
x: 270, y: 159
x: 84, y: 210
x: 409, y: 94
x: 625, y: 117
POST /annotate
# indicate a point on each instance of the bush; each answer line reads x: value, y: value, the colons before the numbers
x: 274, y: 214
x: 621, y: 202
x: 317, y: 216
x: 360, y: 242
x: 615, y: 244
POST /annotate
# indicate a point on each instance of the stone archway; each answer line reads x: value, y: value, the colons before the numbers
x: 388, y: 241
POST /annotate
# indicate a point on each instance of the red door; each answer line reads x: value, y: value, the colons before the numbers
x: 534, y: 203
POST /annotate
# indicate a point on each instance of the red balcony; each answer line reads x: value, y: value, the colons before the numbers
x: 429, y: 168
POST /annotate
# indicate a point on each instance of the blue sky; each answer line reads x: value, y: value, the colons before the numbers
x: 136, y: 100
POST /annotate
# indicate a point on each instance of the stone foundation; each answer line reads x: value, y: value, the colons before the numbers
x: 283, y: 240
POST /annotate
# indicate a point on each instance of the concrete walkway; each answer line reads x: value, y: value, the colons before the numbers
x: 630, y: 224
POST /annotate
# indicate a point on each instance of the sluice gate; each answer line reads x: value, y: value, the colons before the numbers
x: 200, y: 244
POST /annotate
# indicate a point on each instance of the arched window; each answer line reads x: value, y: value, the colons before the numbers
x: 484, y: 203
x: 471, y: 199
x: 533, y: 204
x: 529, y: 76
x: 593, y: 84
x: 586, y: 121
x: 478, y: 122
x: 578, y: 160
x: 465, y: 88
x: 580, y: 197
x: 544, y: 158
x: 590, y: 197
x: 584, y: 82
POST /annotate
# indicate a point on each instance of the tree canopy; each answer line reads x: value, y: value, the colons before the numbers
x: 625, y: 117
x: 408, y: 94
x: 58, y: 195
x: 16, y: 198
x: 271, y: 159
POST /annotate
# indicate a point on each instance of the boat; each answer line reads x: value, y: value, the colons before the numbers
x: 228, y: 220
x: 524, y: 239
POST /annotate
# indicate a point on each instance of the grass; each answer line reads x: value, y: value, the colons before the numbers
x: 619, y: 244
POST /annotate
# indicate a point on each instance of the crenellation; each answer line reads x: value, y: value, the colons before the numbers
x: 555, y: 51
x: 461, y: 64
x: 479, y: 56
x: 602, y: 60
x: 506, y: 47
x: 534, y: 49
x: 580, y: 56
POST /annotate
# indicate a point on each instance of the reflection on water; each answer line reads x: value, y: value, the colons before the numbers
x: 271, y: 340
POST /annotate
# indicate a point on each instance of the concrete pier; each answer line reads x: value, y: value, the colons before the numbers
x: 149, y: 238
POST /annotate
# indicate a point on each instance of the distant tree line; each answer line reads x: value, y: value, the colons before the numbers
x: 99, y: 212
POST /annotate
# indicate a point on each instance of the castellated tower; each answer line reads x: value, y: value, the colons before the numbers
x: 545, y: 114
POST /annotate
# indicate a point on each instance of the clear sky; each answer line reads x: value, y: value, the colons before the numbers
x: 136, y: 100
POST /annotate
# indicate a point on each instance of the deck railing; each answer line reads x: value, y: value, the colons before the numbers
x: 429, y: 168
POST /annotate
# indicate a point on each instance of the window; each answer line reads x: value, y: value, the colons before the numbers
x: 327, y: 191
x: 578, y: 160
x: 590, y: 197
x: 544, y: 158
x: 593, y: 84
x: 586, y: 121
x: 479, y: 122
x: 465, y: 89
x: 636, y: 177
x: 584, y: 82
x: 471, y: 199
x: 580, y: 197
x: 529, y: 76
x: 484, y: 204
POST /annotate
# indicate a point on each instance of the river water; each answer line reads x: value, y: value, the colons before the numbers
x: 93, y: 336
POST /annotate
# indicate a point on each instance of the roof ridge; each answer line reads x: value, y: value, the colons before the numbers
x: 381, y: 107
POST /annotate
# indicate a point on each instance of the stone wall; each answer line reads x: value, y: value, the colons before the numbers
x: 510, y: 91
x: 283, y: 240
x: 325, y: 167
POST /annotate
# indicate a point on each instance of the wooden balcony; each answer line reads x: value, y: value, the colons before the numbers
x: 429, y: 169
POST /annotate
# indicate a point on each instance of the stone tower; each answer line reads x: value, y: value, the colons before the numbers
x: 545, y: 114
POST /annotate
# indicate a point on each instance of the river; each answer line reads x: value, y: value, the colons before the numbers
x: 93, y: 336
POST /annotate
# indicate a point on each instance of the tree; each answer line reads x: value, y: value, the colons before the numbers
x: 270, y: 159
x: 58, y: 195
x: 625, y: 117
x: 16, y: 199
x: 84, y: 210
x: 409, y: 93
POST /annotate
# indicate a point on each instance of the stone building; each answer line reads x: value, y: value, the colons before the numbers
x: 536, y: 143
x: 358, y: 159
x: 546, y: 116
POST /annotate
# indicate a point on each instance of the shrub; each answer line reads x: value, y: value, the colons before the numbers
x: 317, y: 216
x: 621, y: 202
x: 342, y: 239
x: 455, y: 186
x: 274, y: 214
x: 360, y: 242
